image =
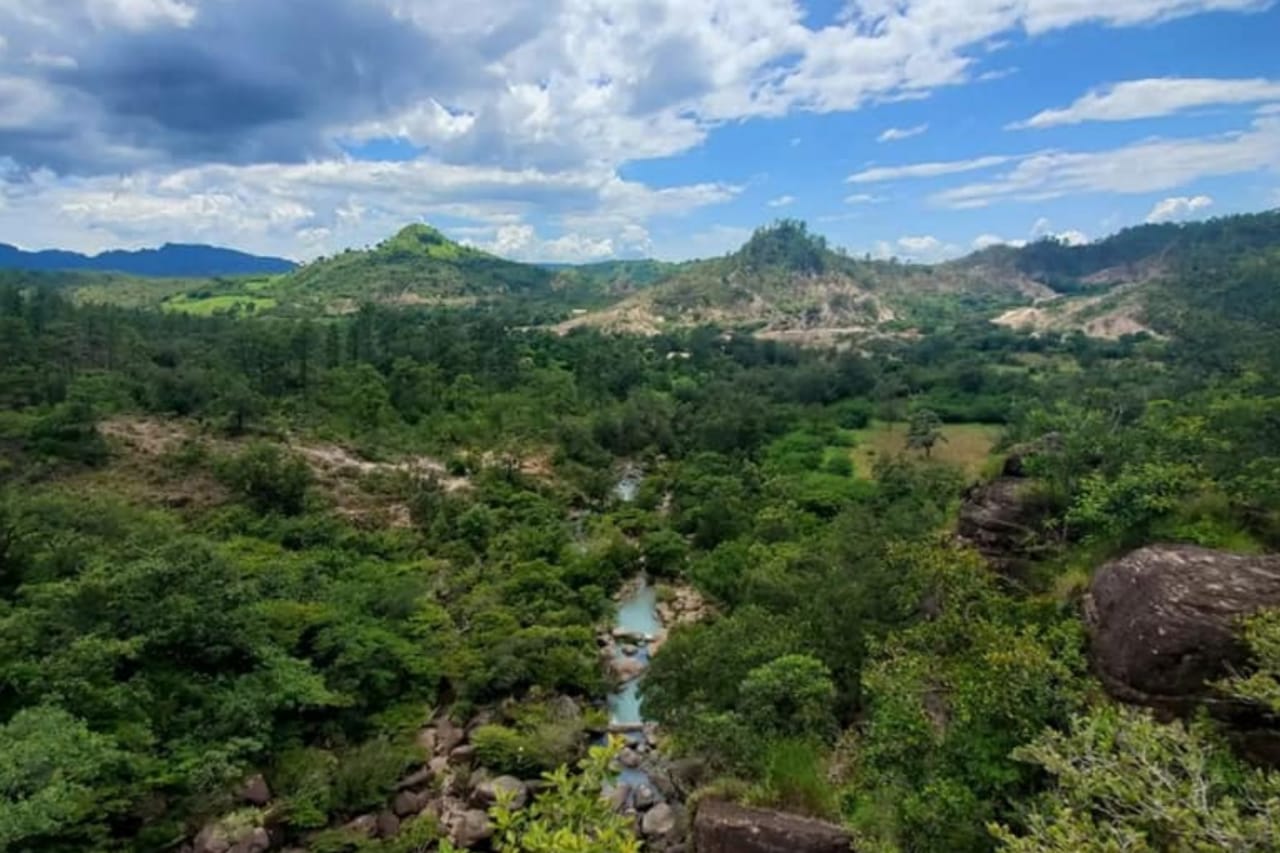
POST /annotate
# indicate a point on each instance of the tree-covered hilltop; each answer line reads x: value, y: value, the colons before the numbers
x: 787, y: 245
x: 1160, y: 246
x: 234, y: 545
x: 418, y: 265
x: 785, y: 283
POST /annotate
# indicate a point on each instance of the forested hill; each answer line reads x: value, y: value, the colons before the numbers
x: 784, y: 283
x: 1136, y: 280
x: 419, y: 265
x: 788, y: 282
x: 170, y: 260
x: 1137, y: 252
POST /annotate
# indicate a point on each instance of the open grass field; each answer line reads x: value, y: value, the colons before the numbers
x: 967, y: 446
x: 257, y: 285
x: 211, y: 305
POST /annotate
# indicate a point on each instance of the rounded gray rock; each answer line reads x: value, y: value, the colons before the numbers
x: 490, y: 791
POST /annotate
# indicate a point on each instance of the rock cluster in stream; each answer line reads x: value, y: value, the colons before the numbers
x: 677, y: 605
x: 454, y: 790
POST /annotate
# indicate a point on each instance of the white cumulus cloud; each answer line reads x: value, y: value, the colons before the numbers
x: 986, y: 241
x: 924, y: 248
x: 1154, y: 97
x: 894, y: 134
x: 925, y: 170
x: 1148, y: 166
x: 782, y: 201
x: 1178, y: 207
x: 527, y: 111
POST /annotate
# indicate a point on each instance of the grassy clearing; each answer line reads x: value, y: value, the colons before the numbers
x: 129, y: 292
x: 967, y: 446
x: 211, y: 305
x: 257, y: 285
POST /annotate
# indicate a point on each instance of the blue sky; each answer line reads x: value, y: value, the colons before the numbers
x: 575, y: 130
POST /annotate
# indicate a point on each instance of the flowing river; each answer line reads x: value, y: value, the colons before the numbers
x: 635, y: 626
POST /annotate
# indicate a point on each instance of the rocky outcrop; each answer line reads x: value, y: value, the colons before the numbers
x: 448, y: 788
x: 1164, y: 622
x: 468, y: 828
x: 681, y: 604
x: 231, y: 835
x: 727, y: 828
x: 255, y: 791
x: 1004, y: 519
x: 660, y: 824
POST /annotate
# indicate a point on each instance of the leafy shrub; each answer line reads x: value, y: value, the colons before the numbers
x: 303, y: 783
x: 664, y: 552
x: 70, y: 432
x: 570, y: 815
x: 854, y: 414
x: 529, y: 750
x: 1126, y: 782
x: 791, y: 694
x: 366, y: 774
x: 794, y: 780
x: 271, y: 479
x: 839, y: 464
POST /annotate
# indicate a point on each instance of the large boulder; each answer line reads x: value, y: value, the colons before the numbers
x: 448, y: 736
x: 1164, y: 622
x: 727, y: 828
x: 409, y: 803
x: 1004, y: 521
x: 257, y: 841
x: 661, y: 821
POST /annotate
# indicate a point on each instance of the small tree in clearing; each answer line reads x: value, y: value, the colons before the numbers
x: 924, y: 431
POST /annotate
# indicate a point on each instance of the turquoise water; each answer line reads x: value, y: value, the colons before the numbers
x: 628, y: 487
x: 636, y: 614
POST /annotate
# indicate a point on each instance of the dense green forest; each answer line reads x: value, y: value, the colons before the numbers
x: 238, y: 544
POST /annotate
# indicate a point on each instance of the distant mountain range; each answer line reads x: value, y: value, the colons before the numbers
x: 171, y: 260
x: 785, y: 283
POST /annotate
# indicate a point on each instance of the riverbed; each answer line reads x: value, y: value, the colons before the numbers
x: 636, y: 624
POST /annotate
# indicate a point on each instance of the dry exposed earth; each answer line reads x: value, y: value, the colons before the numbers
x: 1109, y: 316
x: 144, y: 445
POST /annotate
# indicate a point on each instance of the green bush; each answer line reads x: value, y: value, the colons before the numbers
x: 269, y: 478
x: 855, y: 414
x: 505, y: 750
x: 794, y: 780
x: 365, y: 775
x: 839, y: 464
x: 535, y: 747
x: 69, y: 432
x: 302, y: 780
x: 791, y: 694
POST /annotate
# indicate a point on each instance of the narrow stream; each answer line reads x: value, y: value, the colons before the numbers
x: 636, y: 616
x: 635, y: 624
